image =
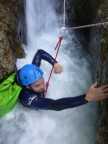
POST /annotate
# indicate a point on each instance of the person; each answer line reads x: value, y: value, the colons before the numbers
x: 32, y: 95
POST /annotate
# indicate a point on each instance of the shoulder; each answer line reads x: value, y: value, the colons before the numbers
x: 25, y: 93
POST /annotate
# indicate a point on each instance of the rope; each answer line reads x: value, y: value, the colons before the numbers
x: 59, y: 44
x: 56, y: 48
x: 64, y: 20
x: 88, y: 26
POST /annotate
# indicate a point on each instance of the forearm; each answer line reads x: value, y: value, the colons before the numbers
x: 58, y: 105
x: 43, y: 55
x: 70, y: 102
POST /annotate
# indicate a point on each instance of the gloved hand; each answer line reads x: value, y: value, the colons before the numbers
x: 97, y: 93
x: 58, y: 68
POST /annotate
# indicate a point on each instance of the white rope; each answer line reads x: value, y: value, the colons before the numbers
x: 64, y: 19
x: 87, y: 26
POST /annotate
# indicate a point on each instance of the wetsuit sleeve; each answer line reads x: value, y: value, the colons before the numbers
x: 60, y: 104
x: 50, y: 104
x: 43, y: 55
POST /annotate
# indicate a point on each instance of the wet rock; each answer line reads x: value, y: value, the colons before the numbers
x: 102, y: 136
x: 10, y: 46
x: 85, y: 12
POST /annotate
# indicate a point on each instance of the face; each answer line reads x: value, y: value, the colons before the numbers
x: 38, y: 86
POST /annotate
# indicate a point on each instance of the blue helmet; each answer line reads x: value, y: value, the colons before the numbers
x: 29, y: 74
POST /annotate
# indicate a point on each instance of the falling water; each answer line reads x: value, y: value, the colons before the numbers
x: 72, y: 126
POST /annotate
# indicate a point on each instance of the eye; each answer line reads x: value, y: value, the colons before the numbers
x: 37, y: 85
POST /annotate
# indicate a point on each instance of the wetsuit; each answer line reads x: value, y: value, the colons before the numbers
x: 38, y: 100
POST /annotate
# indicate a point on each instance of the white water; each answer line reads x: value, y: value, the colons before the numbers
x: 73, y: 126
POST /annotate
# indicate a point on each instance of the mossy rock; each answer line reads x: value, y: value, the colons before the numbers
x: 10, y: 47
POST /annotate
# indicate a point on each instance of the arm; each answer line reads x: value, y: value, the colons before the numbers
x: 70, y: 102
x: 50, y: 104
x: 43, y: 55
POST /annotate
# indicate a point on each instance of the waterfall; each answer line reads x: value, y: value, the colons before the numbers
x: 72, y: 126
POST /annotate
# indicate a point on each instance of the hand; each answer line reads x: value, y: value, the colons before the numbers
x: 97, y: 93
x: 57, y: 68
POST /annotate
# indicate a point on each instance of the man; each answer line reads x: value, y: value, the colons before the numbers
x: 30, y: 77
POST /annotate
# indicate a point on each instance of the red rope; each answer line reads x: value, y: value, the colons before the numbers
x: 56, y: 48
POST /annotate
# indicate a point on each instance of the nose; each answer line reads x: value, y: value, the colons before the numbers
x: 43, y: 87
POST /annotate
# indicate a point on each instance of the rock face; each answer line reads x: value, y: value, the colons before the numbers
x: 85, y: 12
x: 99, y: 48
x: 10, y: 47
x: 102, y: 137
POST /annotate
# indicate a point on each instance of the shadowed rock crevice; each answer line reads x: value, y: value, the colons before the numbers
x: 86, y: 12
